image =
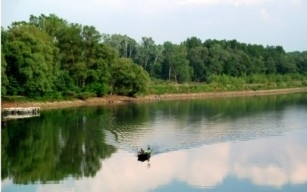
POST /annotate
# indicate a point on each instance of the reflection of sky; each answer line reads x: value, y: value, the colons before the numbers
x: 272, y: 162
x: 264, y: 152
x: 169, y: 134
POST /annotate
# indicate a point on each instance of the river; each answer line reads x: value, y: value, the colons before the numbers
x: 225, y: 144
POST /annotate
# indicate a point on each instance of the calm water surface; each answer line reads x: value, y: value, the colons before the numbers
x: 233, y: 144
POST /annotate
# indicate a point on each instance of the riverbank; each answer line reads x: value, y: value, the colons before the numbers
x: 113, y: 99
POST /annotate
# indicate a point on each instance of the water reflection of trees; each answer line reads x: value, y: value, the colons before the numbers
x: 197, y: 109
x: 59, y: 144
x: 71, y: 142
x: 229, y: 108
x: 186, y: 123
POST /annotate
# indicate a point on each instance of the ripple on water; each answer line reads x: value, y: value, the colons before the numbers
x: 165, y: 134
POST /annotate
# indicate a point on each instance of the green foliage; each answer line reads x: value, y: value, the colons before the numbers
x: 4, y: 79
x: 229, y: 83
x: 175, y: 63
x: 64, y: 82
x: 128, y: 78
x: 98, y: 89
x: 49, y: 57
x: 30, y: 60
x: 59, y: 144
x: 85, y: 95
x: 126, y: 46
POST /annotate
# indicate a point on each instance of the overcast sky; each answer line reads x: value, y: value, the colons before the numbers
x: 266, y: 22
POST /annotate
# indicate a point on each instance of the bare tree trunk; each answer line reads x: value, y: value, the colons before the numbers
x: 156, y: 58
x: 130, y: 51
x: 126, y: 49
x: 169, y: 73
x: 146, y: 62
x: 112, y: 89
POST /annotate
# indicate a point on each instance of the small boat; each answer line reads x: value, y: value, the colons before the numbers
x: 143, y: 156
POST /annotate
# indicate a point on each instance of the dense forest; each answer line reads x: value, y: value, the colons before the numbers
x: 49, y: 57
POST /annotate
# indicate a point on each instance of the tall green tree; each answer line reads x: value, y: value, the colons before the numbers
x: 78, y: 45
x: 4, y: 79
x: 99, y: 79
x: 198, y: 56
x: 31, y: 59
x: 175, y: 63
x: 145, y: 52
x: 70, y: 45
x: 125, y: 45
x: 300, y: 61
x: 51, y: 24
x: 217, y: 60
x: 91, y: 39
x: 128, y: 78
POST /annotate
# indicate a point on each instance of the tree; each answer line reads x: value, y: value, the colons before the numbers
x: 217, y: 60
x: 128, y: 78
x: 70, y: 45
x: 125, y: 45
x: 299, y: 59
x: 47, y: 56
x: 192, y: 42
x: 32, y: 61
x: 99, y: 78
x: 78, y: 45
x: 91, y: 39
x: 146, y: 53
x: 4, y: 79
x: 285, y: 65
x: 156, y: 68
x: 198, y: 58
x: 270, y: 66
x: 51, y: 24
x: 175, y: 63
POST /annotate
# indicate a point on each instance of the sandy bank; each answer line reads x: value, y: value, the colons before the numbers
x: 149, y: 98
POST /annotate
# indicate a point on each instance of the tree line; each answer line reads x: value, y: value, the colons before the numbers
x: 49, y: 57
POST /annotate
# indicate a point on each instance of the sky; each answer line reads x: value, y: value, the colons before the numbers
x: 264, y: 22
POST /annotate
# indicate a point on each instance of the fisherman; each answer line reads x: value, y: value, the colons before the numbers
x: 141, y: 151
x: 148, y: 150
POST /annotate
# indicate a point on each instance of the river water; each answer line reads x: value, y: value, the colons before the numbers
x: 225, y: 144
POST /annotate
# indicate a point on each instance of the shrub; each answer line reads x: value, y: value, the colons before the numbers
x: 85, y: 95
x: 100, y: 89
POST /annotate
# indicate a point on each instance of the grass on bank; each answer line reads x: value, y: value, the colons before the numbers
x: 214, y: 84
x: 227, y: 83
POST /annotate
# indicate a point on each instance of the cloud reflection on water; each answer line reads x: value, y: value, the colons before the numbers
x: 271, y: 161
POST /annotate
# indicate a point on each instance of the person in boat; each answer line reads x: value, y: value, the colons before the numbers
x: 148, y: 150
x: 141, y: 151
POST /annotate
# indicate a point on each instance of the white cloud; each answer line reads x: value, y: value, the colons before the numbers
x: 267, y: 164
x: 296, y: 2
x: 176, y: 20
x: 206, y: 172
x: 123, y: 173
x: 227, y: 2
x: 273, y: 162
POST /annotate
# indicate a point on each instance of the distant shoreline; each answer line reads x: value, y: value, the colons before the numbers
x: 114, y: 99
